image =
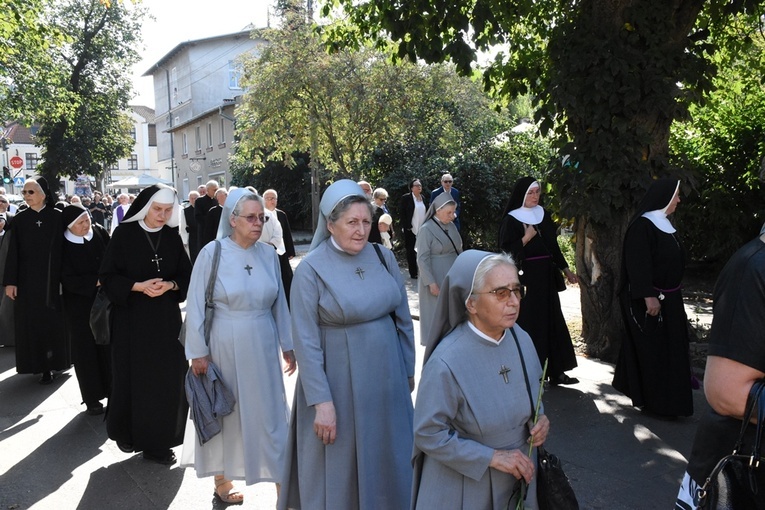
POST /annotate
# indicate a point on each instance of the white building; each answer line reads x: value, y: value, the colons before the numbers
x: 195, y: 87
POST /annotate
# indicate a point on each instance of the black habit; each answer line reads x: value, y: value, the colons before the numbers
x: 210, y: 230
x: 33, y: 265
x: 289, y: 247
x: 201, y: 208
x: 79, y: 274
x: 147, y: 407
x: 540, y: 315
x: 189, y: 214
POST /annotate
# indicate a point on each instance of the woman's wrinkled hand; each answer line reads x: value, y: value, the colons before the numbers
x: 434, y: 289
x: 325, y: 423
x: 571, y: 276
x: 513, y: 462
x: 528, y: 234
x: 291, y: 362
x: 11, y: 291
x: 199, y: 365
x: 652, y: 306
x: 539, y: 431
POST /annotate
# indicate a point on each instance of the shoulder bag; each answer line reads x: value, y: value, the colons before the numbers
x: 734, y: 483
x: 554, y: 491
x: 209, y: 303
x: 100, y: 318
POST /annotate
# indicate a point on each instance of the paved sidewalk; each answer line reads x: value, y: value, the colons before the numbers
x: 54, y: 456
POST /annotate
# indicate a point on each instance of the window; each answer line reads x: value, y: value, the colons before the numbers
x: 222, y: 131
x: 115, y: 166
x: 209, y: 135
x: 133, y: 162
x: 133, y: 133
x: 32, y: 160
x: 234, y: 75
x: 174, y: 83
x: 198, y: 133
x: 185, y: 142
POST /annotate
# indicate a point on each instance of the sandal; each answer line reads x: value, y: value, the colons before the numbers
x: 224, y: 491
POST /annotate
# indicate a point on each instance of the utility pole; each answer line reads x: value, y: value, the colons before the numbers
x: 315, y: 187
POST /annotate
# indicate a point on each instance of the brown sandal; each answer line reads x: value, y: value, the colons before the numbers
x: 224, y: 491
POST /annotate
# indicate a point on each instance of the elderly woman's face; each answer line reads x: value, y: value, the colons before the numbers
x: 532, y: 197
x: 351, y: 230
x: 492, y: 312
x: 446, y: 213
x: 158, y: 214
x: 33, y: 195
x: 248, y: 224
x: 81, y: 226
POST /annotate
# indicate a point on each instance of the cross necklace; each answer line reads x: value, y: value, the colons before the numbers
x: 155, y: 249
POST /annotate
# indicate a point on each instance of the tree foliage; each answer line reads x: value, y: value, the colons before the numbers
x: 80, y: 95
x: 608, y: 76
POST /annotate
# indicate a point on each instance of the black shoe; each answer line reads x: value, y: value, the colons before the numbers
x: 166, y: 457
x: 125, y: 447
x: 563, y: 379
x: 95, y: 409
x: 47, y: 377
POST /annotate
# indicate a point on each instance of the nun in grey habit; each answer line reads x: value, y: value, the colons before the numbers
x: 473, y: 416
x: 351, y: 430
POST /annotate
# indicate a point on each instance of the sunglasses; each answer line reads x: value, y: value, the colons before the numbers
x: 447, y: 182
x: 503, y: 293
x: 27, y: 192
x: 253, y: 218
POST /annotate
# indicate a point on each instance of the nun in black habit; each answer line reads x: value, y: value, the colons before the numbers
x: 82, y: 253
x: 31, y: 278
x: 146, y: 274
x: 654, y: 367
x: 528, y: 233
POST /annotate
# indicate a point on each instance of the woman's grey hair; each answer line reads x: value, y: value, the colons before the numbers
x: 246, y: 198
x: 486, y: 266
x: 345, y: 203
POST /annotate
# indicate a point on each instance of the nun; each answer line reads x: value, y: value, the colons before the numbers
x: 351, y: 429
x: 81, y: 256
x: 31, y: 279
x: 653, y: 368
x: 473, y: 420
x: 529, y: 234
x: 438, y: 244
x: 146, y: 274
x: 248, y: 336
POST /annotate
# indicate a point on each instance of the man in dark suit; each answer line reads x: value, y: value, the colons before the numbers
x: 412, y: 208
x: 203, y: 205
x: 446, y: 186
x: 191, y: 225
x: 212, y: 218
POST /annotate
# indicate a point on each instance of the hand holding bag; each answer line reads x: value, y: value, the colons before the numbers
x: 733, y: 483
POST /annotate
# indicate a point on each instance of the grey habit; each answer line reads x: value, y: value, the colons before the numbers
x: 349, y: 353
x: 465, y: 408
x: 436, y: 253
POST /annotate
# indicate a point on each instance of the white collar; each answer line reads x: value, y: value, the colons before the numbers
x: 78, y: 239
x: 148, y: 228
x: 485, y: 336
x: 660, y: 221
x: 334, y: 243
x: 529, y: 215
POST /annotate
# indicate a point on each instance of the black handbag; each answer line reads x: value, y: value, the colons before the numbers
x: 733, y: 483
x: 554, y: 491
x: 100, y: 318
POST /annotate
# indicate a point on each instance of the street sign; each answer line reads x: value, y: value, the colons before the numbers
x: 16, y: 163
x: 18, y: 181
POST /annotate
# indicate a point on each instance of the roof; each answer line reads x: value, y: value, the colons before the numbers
x: 182, y: 46
x: 18, y: 133
x: 227, y: 103
x: 144, y: 111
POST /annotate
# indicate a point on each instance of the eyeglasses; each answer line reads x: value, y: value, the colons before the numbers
x: 262, y: 218
x: 447, y: 182
x: 503, y: 293
x: 27, y: 192
x: 3, y: 201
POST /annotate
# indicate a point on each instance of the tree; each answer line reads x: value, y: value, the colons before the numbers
x: 609, y: 78
x: 84, y: 121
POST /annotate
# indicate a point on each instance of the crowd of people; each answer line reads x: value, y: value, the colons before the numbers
x: 352, y: 438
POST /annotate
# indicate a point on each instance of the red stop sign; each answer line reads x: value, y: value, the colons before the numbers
x: 17, y: 162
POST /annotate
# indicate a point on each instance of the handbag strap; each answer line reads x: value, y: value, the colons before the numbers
x: 376, y: 246
x: 447, y: 235
x: 756, y: 396
x: 209, y: 303
x: 525, y: 373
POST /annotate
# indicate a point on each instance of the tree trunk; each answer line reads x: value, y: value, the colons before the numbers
x: 598, y: 264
